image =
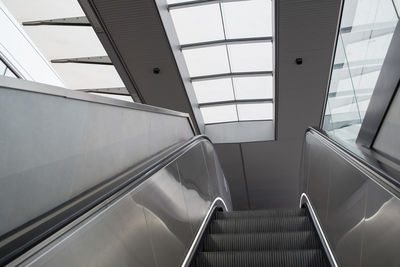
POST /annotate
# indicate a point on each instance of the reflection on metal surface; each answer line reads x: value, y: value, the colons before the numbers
x: 305, y: 201
x: 154, y: 224
x: 357, y: 213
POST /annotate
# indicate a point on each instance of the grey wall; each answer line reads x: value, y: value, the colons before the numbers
x: 56, y: 143
x: 305, y: 29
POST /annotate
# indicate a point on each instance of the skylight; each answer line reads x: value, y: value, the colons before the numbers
x: 67, y: 41
x: 227, y: 46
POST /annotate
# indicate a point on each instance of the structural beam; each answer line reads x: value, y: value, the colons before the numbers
x: 198, y: 3
x: 75, y: 21
x: 241, y: 101
x: 231, y: 75
x: 112, y: 91
x: 100, y: 60
x: 227, y: 41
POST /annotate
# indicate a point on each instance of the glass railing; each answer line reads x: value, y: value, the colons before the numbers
x: 366, y: 30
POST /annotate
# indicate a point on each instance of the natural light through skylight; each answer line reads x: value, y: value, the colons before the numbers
x: 227, y: 46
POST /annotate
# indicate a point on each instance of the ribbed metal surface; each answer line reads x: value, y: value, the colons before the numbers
x: 261, y: 238
x: 288, y: 258
x: 261, y: 213
x: 261, y: 241
x: 261, y: 225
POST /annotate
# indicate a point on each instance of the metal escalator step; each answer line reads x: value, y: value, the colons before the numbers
x: 261, y: 241
x: 287, y: 258
x: 261, y: 213
x: 260, y: 225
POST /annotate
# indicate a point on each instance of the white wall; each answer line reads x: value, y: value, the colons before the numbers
x: 21, y: 54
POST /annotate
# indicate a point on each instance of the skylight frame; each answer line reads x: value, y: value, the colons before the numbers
x: 226, y: 42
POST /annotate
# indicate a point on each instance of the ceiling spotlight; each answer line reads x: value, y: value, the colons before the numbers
x: 299, y: 61
x: 156, y: 70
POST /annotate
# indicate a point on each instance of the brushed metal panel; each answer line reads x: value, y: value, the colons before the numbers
x: 166, y: 215
x: 117, y: 237
x: 318, y: 177
x: 231, y: 161
x: 362, y: 217
x: 345, y: 210
x: 154, y: 224
x: 195, y: 182
x: 219, y: 186
x: 57, y: 147
x: 381, y: 242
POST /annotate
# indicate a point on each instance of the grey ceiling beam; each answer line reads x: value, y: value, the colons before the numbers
x: 112, y: 91
x: 198, y: 3
x: 100, y: 60
x: 231, y: 75
x: 227, y: 41
x: 239, y: 101
x: 74, y: 21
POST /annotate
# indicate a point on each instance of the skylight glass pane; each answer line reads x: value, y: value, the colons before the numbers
x: 206, y: 61
x: 213, y: 90
x: 198, y: 24
x: 250, y: 57
x: 217, y: 114
x: 245, y: 19
x: 255, y: 111
x: 253, y: 87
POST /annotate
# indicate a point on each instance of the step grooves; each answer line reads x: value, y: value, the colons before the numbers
x: 261, y: 238
x: 261, y: 241
x: 261, y: 213
x: 253, y: 225
x: 287, y: 258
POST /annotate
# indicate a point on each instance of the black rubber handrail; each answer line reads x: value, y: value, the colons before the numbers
x: 386, y: 176
x: 21, y: 239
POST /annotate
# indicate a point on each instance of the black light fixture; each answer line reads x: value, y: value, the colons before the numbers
x: 299, y: 61
x: 156, y: 70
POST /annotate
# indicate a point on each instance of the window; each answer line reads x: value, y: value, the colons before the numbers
x: 228, y: 51
x: 366, y: 31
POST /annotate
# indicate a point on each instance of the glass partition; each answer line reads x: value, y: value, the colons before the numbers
x: 365, y: 34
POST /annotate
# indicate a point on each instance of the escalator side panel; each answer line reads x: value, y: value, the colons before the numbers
x: 152, y: 224
x: 358, y: 214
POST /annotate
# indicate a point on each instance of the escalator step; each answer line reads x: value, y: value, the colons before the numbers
x: 261, y: 241
x: 287, y: 258
x: 260, y: 225
x: 261, y: 213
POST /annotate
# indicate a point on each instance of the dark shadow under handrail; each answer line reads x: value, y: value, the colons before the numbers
x: 21, y: 239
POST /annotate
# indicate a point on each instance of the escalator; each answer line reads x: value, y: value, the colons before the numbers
x: 174, y: 209
x: 260, y: 238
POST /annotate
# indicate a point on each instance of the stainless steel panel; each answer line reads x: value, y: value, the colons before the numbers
x: 154, y: 224
x: 218, y: 187
x: 167, y: 216
x: 381, y: 242
x: 58, y: 147
x: 361, y: 216
x: 118, y: 236
x: 195, y: 182
x: 231, y: 161
x: 345, y: 210
x: 318, y: 177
